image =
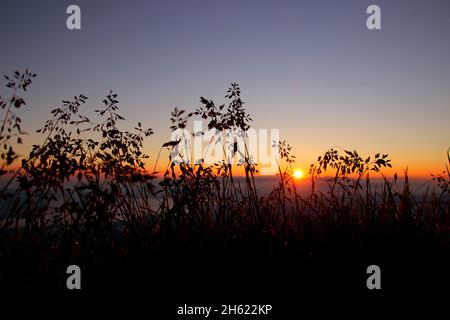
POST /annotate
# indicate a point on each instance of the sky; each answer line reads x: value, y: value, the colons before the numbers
x: 309, y: 68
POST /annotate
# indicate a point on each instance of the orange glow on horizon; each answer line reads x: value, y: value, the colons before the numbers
x: 414, y: 171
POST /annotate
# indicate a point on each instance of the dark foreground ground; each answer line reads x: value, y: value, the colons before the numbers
x: 414, y: 274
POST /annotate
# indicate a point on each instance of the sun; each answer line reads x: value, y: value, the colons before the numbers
x: 298, y: 174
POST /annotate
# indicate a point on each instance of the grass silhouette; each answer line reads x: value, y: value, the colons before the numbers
x: 83, y: 196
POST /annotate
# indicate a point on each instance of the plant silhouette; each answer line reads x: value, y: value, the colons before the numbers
x: 85, y: 195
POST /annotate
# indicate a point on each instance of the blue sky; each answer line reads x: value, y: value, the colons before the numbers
x: 310, y: 68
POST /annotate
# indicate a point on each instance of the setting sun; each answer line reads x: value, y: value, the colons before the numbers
x: 298, y: 174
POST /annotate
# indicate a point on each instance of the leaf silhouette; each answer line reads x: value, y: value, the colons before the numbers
x: 171, y: 143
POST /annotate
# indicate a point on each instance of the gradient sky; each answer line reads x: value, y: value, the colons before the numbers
x: 310, y: 68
